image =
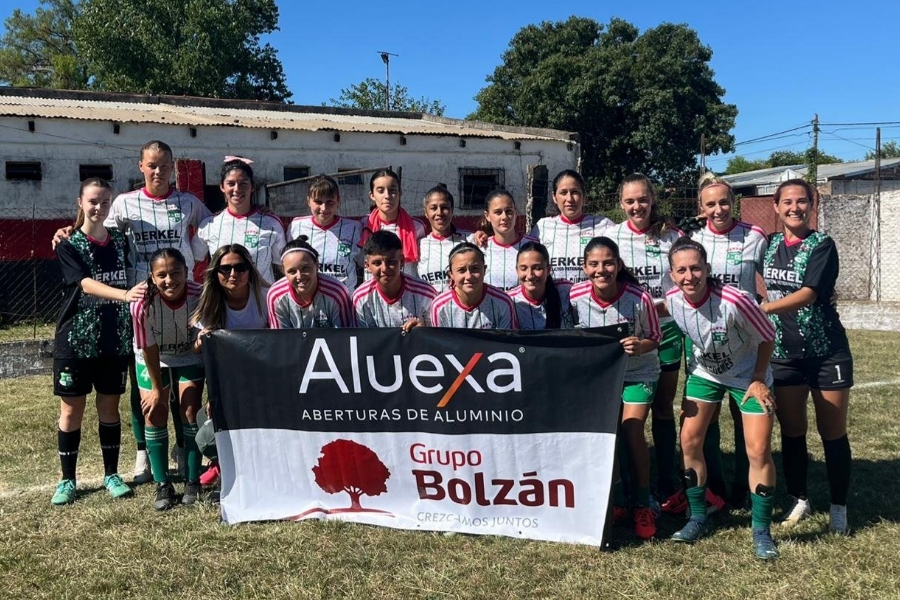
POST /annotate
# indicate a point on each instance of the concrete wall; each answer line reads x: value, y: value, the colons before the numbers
x: 61, y: 145
x: 33, y: 357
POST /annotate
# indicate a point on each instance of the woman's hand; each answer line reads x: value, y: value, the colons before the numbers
x: 763, y: 395
x: 154, y: 401
x: 411, y: 324
x: 136, y: 293
x: 631, y: 345
x: 481, y: 239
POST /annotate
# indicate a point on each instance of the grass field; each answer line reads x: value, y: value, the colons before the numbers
x: 99, y: 548
x: 31, y: 331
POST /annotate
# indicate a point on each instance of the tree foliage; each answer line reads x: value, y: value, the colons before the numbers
x: 779, y: 158
x: 639, y: 101
x: 205, y: 48
x: 347, y: 466
x: 39, y: 50
x: 369, y: 94
x: 889, y: 149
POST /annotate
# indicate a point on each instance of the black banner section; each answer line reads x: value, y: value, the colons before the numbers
x: 446, y: 381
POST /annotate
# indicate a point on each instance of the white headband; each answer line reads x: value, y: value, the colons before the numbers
x: 300, y: 249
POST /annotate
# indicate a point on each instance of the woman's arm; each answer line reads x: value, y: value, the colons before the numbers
x: 93, y: 287
x: 791, y: 303
x: 158, y: 395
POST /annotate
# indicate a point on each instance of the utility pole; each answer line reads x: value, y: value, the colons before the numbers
x: 876, y: 262
x: 702, y: 153
x: 386, y: 58
x: 812, y: 174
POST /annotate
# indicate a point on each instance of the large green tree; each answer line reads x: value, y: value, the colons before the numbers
x: 39, y: 50
x: 779, y: 158
x: 890, y: 149
x: 640, y: 101
x: 193, y: 47
x: 369, y: 94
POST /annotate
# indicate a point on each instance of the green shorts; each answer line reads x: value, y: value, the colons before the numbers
x: 704, y: 390
x: 185, y: 374
x: 638, y: 392
x: 671, y: 345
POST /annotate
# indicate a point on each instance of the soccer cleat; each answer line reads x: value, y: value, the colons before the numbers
x: 644, y: 522
x: 620, y: 513
x: 116, y: 487
x: 211, y: 475
x: 764, y: 544
x: 165, y: 496
x: 676, y: 504
x: 839, y: 524
x: 65, y: 493
x: 142, y: 472
x: 191, y: 493
x: 691, y: 532
x: 714, y: 502
x: 654, y: 506
x: 177, y: 456
x: 799, y: 510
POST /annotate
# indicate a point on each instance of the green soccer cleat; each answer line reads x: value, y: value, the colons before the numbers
x: 116, y: 487
x: 65, y: 493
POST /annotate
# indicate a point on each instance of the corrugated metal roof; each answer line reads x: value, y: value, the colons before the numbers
x: 775, y: 175
x: 181, y: 112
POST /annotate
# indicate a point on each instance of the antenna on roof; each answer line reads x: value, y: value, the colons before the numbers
x: 386, y: 58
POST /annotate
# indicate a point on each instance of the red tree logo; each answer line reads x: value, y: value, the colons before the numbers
x: 346, y: 466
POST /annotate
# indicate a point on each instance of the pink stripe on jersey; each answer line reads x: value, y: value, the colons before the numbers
x: 138, y: 317
x: 338, y: 292
x: 276, y: 292
x: 580, y: 289
x: 362, y: 291
x: 438, y: 303
x: 655, y: 332
x: 750, y: 310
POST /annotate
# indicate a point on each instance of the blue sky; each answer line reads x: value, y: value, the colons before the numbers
x: 779, y: 62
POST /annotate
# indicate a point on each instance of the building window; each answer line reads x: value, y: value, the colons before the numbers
x: 102, y: 171
x: 295, y: 173
x: 23, y: 171
x: 355, y: 179
x: 476, y: 184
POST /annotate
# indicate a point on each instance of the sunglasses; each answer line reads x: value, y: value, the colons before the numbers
x: 237, y: 268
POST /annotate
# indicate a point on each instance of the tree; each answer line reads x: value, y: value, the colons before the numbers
x: 369, y: 94
x: 779, y: 158
x: 639, y: 101
x: 39, y: 50
x: 346, y: 466
x: 888, y: 150
x: 205, y: 48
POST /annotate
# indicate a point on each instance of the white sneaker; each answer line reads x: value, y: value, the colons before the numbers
x: 177, y: 456
x: 142, y: 472
x: 800, y: 510
x: 839, y: 523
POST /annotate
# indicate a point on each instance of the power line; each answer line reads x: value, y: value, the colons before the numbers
x: 772, y: 135
x: 872, y: 124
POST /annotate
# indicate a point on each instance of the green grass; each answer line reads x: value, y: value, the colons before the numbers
x: 29, y: 331
x: 99, y: 548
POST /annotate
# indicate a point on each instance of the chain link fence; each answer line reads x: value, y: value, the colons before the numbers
x: 31, y: 291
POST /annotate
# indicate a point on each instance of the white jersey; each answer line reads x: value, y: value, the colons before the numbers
x: 374, y: 309
x: 532, y: 315
x: 158, y: 323
x: 634, y: 306
x: 434, y: 255
x: 262, y: 236
x: 330, y: 307
x: 337, y: 245
x: 647, y: 257
x: 500, y: 261
x: 725, y: 329
x: 565, y: 241
x: 151, y: 223
x: 735, y: 256
x: 495, y: 310
x: 409, y: 268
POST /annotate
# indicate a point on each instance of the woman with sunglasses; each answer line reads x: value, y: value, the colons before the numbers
x: 233, y: 297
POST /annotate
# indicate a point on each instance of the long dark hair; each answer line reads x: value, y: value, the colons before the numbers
x: 484, y: 224
x: 211, y: 309
x: 162, y: 254
x: 624, y: 275
x: 552, y: 301
x: 442, y: 191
